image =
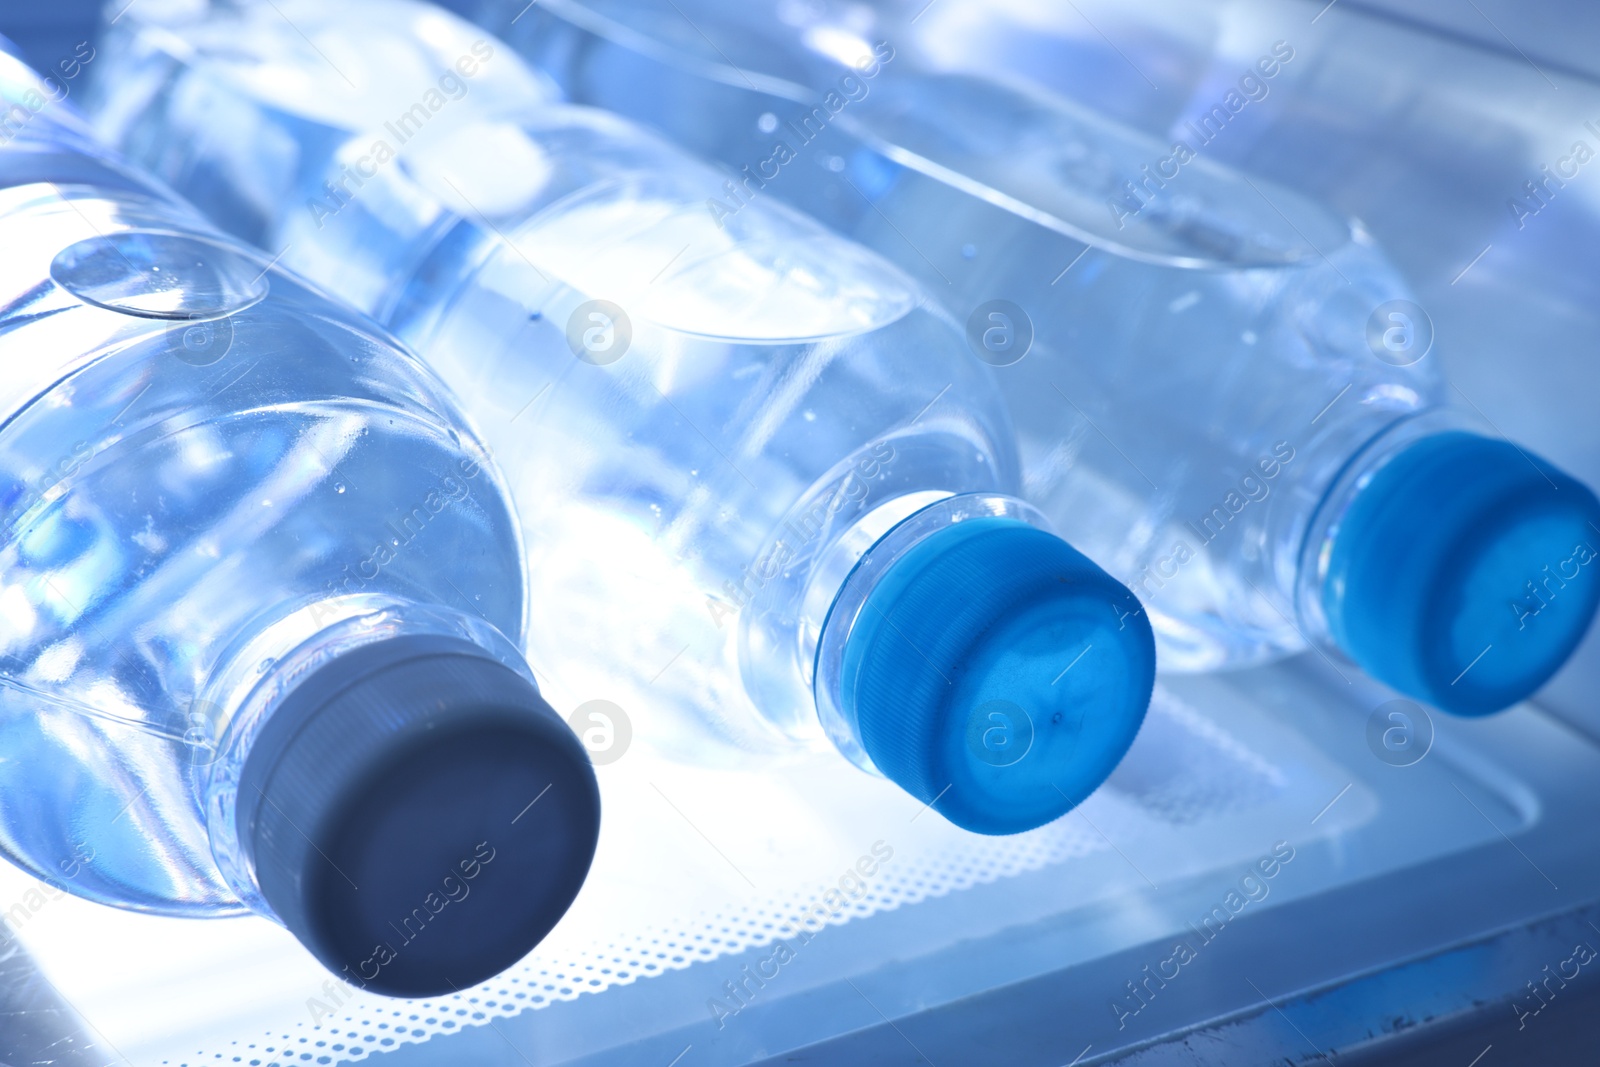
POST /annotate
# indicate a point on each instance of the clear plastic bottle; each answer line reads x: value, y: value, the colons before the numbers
x: 1461, y: 157
x: 768, y: 495
x: 1221, y: 389
x: 258, y: 593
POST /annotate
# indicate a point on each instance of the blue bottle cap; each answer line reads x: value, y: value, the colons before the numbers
x: 417, y: 816
x: 997, y: 674
x: 1464, y: 573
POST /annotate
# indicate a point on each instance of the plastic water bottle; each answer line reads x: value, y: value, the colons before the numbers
x: 769, y: 497
x: 258, y: 592
x: 1221, y: 389
x: 1481, y: 210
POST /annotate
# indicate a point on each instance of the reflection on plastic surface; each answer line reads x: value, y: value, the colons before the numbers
x: 702, y: 416
x: 1163, y: 782
x: 1216, y: 368
x: 198, y: 589
x: 1468, y: 159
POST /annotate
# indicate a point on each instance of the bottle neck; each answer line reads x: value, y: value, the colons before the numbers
x: 857, y: 563
x: 255, y: 680
x: 1316, y: 548
x: 784, y: 594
